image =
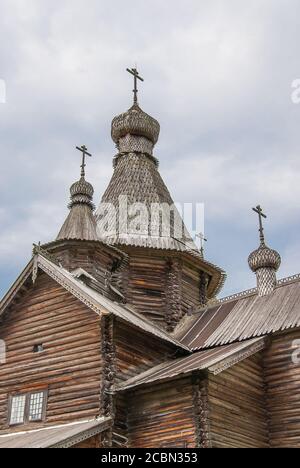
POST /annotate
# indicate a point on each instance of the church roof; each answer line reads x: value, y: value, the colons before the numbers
x: 243, y: 316
x: 80, y: 223
x: 136, y: 180
x: 214, y: 360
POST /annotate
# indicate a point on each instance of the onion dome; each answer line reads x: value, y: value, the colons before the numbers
x: 80, y: 223
x: 82, y: 192
x: 137, y: 123
x: 264, y: 257
x: 264, y: 262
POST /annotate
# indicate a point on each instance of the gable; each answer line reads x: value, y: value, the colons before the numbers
x: 70, y: 365
x: 92, y: 299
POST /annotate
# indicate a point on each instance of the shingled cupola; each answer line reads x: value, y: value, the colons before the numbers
x: 80, y: 223
x: 134, y: 130
x: 264, y: 262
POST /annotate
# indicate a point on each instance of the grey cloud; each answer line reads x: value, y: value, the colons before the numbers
x: 218, y: 77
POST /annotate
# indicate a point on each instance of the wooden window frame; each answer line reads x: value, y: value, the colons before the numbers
x: 26, y: 419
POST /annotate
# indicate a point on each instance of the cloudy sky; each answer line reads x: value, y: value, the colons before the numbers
x: 218, y: 77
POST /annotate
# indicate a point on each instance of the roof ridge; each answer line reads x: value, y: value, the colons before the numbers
x: 251, y: 292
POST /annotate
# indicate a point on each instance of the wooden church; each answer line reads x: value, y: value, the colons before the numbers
x: 117, y: 338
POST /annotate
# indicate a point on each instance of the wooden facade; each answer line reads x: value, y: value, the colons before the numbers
x: 162, y: 415
x: 238, y: 415
x: 94, y: 311
x: 253, y: 403
x: 282, y: 372
x: 70, y: 366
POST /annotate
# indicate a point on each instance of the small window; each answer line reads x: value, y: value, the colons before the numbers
x: 27, y: 408
x: 17, y: 409
x: 38, y: 348
x: 36, y: 404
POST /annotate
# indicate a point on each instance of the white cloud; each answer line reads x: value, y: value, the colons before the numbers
x: 217, y: 74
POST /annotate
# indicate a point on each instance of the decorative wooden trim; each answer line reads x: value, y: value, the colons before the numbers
x: 71, y: 441
x: 203, y: 401
x: 197, y: 410
x: 173, y: 294
x: 204, y: 280
x: 63, y: 281
x: 241, y: 356
x: 109, y: 372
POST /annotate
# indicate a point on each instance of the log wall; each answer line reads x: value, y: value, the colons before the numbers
x: 237, y: 407
x: 146, y: 287
x: 162, y: 415
x: 282, y: 371
x: 136, y: 351
x: 70, y: 366
x: 97, y: 260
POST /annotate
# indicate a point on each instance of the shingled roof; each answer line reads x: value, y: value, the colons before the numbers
x: 214, y: 360
x: 244, y: 316
x: 62, y: 436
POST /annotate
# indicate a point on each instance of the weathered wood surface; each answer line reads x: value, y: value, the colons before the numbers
x: 70, y: 366
x: 103, y: 263
x: 282, y: 373
x: 162, y: 415
x: 237, y: 406
x: 137, y: 352
x: 120, y: 429
x: 163, y: 288
x: 91, y: 443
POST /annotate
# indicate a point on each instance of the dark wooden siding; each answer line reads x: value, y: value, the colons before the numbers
x: 162, y: 415
x: 120, y: 429
x: 283, y: 390
x: 146, y: 288
x: 94, y: 259
x: 136, y: 351
x: 237, y: 406
x: 190, y: 288
x: 70, y: 367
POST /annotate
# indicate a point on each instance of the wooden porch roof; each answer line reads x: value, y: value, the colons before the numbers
x: 214, y: 360
x: 62, y: 436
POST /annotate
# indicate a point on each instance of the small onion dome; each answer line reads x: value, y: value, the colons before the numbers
x: 135, y: 122
x: 81, y: 193
x: 264, y: 257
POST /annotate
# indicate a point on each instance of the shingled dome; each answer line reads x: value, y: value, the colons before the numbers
x: 135, y: 122
x: 264, y: 257
x: 80, y: 223
x: 82, y: 192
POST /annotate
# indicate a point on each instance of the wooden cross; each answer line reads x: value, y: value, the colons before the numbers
x: 202, y: 240
x: 261, y: 215
x: 83, y: 150
x: 136, y: 75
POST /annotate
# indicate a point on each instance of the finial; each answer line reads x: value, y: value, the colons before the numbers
x: 202, y: 241
x: 83, y: 150
x: 135, y: 73
x: 261, y: 215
